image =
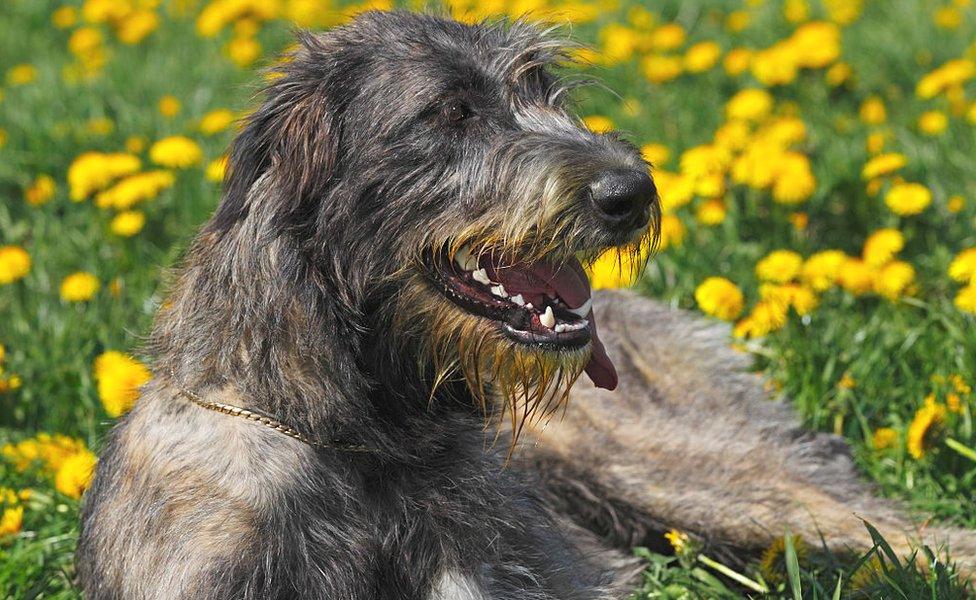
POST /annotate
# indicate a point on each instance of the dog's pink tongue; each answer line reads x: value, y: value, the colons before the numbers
x: 600, y: 369
x: 569, y: 282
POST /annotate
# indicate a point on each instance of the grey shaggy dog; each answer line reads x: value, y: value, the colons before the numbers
x: 392, y: 272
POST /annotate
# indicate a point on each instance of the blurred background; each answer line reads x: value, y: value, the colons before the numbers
x: 815, y: 159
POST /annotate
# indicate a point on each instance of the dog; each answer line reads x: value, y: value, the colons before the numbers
x: 381, y: 372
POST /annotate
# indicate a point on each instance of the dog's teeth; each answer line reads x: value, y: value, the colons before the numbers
x: 577, y: 326
x: 499, y: 290
x: 561, y: 327
x: 547, y: 318
x: 529, y: 306
x: 464, y: 259
x: 583, y: 310
x: 481, y: 276
x: 518, y: 299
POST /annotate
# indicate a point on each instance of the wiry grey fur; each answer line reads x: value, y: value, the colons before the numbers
x: 306, y: 297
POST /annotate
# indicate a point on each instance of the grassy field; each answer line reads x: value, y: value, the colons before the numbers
x: 815, y: 160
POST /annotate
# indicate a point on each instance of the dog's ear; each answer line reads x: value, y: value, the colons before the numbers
x: 293, y: 138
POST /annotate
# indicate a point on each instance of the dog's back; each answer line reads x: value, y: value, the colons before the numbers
x: 692, y: 441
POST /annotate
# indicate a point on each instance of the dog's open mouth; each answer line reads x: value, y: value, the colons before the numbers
x: 542, y: 303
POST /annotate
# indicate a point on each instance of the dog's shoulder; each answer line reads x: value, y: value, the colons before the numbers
x: 191, y: 488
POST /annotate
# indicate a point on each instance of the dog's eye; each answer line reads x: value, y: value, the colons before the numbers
x: 456, y: 112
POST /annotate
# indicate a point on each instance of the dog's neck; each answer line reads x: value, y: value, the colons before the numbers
x: 251, y: 312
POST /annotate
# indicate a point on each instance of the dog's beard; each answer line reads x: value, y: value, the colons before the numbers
x: 512, y: 383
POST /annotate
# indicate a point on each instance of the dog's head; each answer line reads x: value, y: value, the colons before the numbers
x: 429, y: 171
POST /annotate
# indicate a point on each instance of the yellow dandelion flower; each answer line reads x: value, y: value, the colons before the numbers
x: 884, y: 438
x: 177, y: 152
x: 673, y: 232
x: 883, y: 164
x: 733, y: 136
x: 49, y: 451
x: 933, y: 122
x: 119, y: 379
x: 128, y: 223
x: 873, y: 111
x: 794, y: 181
x: 668, y: 36
x: 656, y: 154
x: 838, y: 74
x: 613, y: 269
x: 963, y: 266
x: 702, y: 56
x: 134, y: 189
x: 75, y: 474
x: 737, y: 61
x: 15, y: 263
x: 598, y: 124
x: 85, y: 42
x: 816, y: 44
x: 954, y: 403
x: 846, y: 382
x: 958, y: 384
x: 966, y: 299
x: 776, y: 65
x: 92, y: 171
x: 619, y: 43
x: 659, y: 69
x: 79, y: 287
x: 867, y: 574
x: 908, y: 199
x: 947, y: 17
x: 41, y: 190
x: 951, y: 74
x: 772, y: 564
x: 925, y: 428
x: 895, y: 280
x: 21, y: 74
x: 737, y: 21
x: 136, y: 26
x: 217, y: 14
x: 169, y: 106
x: 11, y: 521
x: 796, y: 11
x: 243, y: 50
x: 678, y: 540
x: 64, y: 17
x: 855, y: 276
x: 803, y: 300
x: 882, y: 246
x: 720, y: 298
x: 100, y: 126
x: 216, y: 169
x: 675, y: 190
x: 711, y: 212
x: 135, y: 144
x: 955, y: 204
x: 749, y: 105
x: 779, y: 266
x: 216, y: 121
x: 875, y: 142
x: 799, y: 220
x: 821, y: 270
x: 843, y: 12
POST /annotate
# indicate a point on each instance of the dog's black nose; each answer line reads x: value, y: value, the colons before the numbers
x: 621, y: 197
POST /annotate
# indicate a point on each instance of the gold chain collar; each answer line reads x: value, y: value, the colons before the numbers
x: 271, y: 423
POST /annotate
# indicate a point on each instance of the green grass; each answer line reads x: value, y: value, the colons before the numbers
x: 891, y: 350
